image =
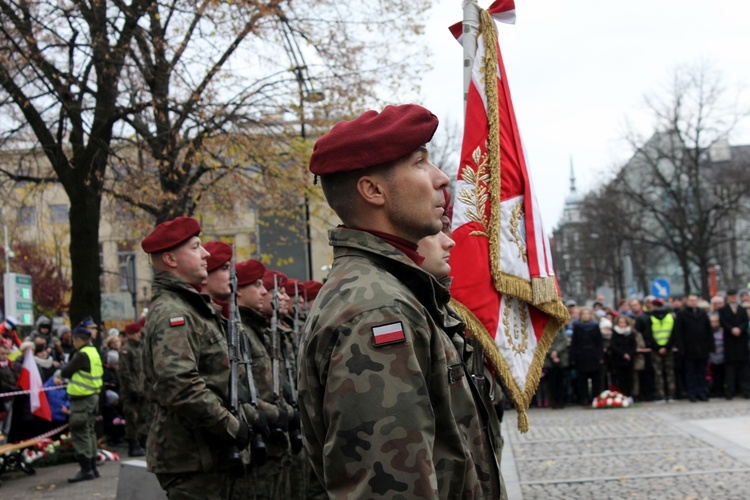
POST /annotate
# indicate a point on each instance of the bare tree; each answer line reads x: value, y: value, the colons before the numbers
x: 201, y: 113
x: 678, y: 192
x: 60, y: 68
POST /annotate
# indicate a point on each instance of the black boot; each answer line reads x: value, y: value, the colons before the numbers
x: 85, y: 473
x: 134, y: 449
x: 93, y: 467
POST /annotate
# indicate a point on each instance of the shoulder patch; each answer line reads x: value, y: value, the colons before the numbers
x: 178, y: 321
x: 392, y: 333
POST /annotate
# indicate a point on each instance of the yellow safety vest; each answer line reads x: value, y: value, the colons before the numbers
x: 87, y: 383
x: 661, y: 329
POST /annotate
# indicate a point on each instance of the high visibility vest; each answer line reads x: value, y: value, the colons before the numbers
x: 661, y: 329
x: 84, y: 383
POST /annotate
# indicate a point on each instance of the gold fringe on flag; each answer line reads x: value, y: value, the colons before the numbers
x: 538, y: 292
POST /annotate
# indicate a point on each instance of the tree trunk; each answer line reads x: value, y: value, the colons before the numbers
x: 685, y: 266
x: 84, y: 214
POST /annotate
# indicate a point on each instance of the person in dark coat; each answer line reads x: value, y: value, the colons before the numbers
x: 587, y: 355
x: 622, y: 354
x: 555, y: 365
x: 694, y: 338
x: 734, y: 322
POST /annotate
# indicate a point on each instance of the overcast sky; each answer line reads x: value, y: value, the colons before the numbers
x: 578, y: 69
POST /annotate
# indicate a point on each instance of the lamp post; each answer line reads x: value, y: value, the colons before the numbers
x: 306, y: 94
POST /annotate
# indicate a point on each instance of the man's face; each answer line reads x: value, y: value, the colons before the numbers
x: 217, y: 283
x: 436, y: 250
x: 4, y: 354
x: 284, y: 301
x: 692, y: 302
x: 189, y: 261
x: 635, y: 306
x: 731, y: 299
x: 135, y: 336
x: 415, y: 199
x: 252, y: 295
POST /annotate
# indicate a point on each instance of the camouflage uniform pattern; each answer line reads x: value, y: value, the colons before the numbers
x: 270, y: 480
x: 396, y: 421
x: 136, y: 425
x: 663, y: 365
x: 186, y: 373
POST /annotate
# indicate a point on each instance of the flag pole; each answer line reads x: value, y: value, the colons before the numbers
x: 469, y: 42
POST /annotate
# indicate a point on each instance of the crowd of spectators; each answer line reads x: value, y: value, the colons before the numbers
x: 52, y: 350
x: 651, y: 350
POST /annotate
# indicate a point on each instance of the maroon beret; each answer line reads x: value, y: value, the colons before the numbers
x: 312, y: 288
x: 249, y: 271
x: 373, y: 139
x: 221, y: 253
x: 170, y: 234
x: 268, y: 279
x: 657, y: 303
x: 132, y: 328
x: 289, y: 286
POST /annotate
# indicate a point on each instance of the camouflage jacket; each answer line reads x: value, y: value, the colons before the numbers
x: 398, y: 419
x: 186, y: 373
x: 130, y: 368
x: 254, y: 325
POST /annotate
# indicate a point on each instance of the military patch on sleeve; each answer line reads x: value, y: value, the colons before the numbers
x: 178, y: 321
x: 391, y: 333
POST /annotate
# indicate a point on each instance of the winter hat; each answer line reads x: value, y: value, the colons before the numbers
x: 10, y: 323
x: 113, y: 357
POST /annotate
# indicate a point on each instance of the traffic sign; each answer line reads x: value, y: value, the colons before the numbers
x: 19, y: 298
x: 660, y: 288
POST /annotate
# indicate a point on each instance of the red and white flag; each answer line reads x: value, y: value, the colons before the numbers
x: 30, y: 380
x: 503, y: 279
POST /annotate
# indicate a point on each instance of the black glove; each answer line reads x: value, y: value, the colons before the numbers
x: 134, y: 396
x: 260, y: 427
x: 243, y: 436
x: 283, y: 421
x: 294, y: 422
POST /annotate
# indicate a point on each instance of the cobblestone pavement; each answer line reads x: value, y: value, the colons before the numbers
x: 680, y: 450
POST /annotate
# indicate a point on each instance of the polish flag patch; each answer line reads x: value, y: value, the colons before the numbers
x: 178, y: 321
x: 391, y: 333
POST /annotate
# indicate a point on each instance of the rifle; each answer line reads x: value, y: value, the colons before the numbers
x: 235, y: 460
x: 295, y: 434
x: 239, y: 353
x: 275, y: 338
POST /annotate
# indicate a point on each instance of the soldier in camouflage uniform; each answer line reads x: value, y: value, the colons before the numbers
x: 186, y: 371
x: 131, y: 391
x: 383, y: 389
x: 272, y: 479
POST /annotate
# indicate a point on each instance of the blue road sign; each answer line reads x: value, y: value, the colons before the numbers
x: 660, y: 288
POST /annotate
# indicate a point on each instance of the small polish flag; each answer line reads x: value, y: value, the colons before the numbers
x: 178, y: 321
x: 30, y: 380
x: 388, y: 334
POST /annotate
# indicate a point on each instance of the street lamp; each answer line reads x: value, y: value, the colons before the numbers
x: 307, y: 93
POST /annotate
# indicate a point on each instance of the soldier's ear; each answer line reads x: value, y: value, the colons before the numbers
x: 373, y: 189
x: 169, y: 259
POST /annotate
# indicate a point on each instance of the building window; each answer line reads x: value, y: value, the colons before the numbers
x: 124, y: 251
x: 58, y: 214
x: 26, y: 216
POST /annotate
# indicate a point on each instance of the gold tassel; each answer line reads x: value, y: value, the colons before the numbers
x: 523, y: 421
x: 544, y: 290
